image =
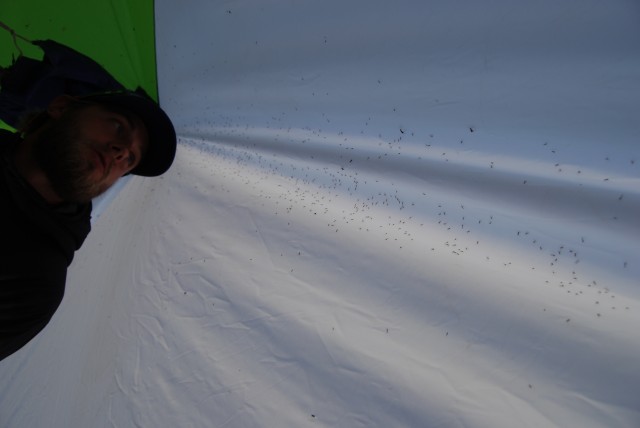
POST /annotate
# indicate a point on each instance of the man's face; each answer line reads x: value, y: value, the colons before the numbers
x: 87, y: 147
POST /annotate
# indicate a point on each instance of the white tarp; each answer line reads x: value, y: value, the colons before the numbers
x: 382, y: 214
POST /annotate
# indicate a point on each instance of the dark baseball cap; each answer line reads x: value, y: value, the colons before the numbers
x: 162, y: 135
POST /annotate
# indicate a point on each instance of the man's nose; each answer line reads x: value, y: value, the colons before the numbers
x: 120, y: 150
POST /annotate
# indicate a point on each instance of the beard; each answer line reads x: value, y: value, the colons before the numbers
x: 62, y: 154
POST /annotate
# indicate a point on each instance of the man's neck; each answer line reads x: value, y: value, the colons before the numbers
x: 29, y: 169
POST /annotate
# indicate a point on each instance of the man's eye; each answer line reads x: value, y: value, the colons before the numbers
x: 117, y: 125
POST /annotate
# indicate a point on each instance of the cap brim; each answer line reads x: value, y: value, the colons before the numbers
x: 162, y: 135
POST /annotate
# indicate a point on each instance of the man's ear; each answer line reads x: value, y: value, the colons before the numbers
x: 59, y: 104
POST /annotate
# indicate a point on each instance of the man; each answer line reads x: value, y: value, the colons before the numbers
x: 50, y: 170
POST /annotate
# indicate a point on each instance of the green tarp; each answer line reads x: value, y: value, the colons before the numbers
x: 118, y: 34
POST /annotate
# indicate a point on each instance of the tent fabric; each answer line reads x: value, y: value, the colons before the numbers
x: 382, y: 214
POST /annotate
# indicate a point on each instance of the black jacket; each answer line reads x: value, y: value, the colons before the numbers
x: 37, y: 244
